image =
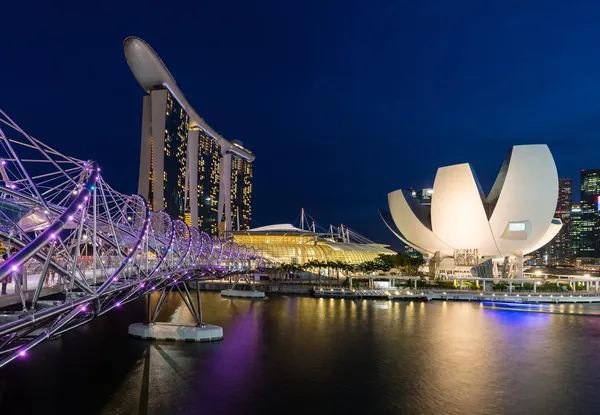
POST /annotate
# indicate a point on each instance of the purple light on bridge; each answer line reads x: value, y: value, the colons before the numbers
x: 13, y: 186
x: 84, y: 308
x: 71, y: 218
x: 23, y: 353
x: 14, y: 267
x: 4, y: 162
x: 115, y: 279
x: 118, y: 305
x: 154, y: 287
x: 52, y: 236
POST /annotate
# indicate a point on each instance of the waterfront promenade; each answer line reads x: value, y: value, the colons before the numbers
x: 459, y: 295
x: 334, y: 289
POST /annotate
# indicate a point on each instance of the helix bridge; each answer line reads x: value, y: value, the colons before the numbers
x: 59, y: 218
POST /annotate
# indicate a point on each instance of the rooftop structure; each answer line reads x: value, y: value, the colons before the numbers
x: 288, y: 244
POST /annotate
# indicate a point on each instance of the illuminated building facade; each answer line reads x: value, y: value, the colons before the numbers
x: 209, y: 164
x: 187, y: 168
x: 559, y: 251
x: 288, y: 244
x: 590, y: 218
x: 575, y: 228
x: 163, y: 159
x: 241, y: 192
x: 423, y: 196
x: 175, y: 158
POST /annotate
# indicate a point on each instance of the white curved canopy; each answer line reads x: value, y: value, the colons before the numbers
x: 529, y: 193
x: 456, y: 195
x: 412, y: 228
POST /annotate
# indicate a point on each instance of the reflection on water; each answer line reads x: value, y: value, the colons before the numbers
x: 306, y: 355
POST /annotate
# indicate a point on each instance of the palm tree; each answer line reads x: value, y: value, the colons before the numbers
x: 310, y: 265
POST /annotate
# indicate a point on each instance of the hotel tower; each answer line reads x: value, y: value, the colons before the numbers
x: 187, y: 169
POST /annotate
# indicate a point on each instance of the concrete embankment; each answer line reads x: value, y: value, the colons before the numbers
x: 325, y: 291
x: 457, y: 295
x: 297, y: 289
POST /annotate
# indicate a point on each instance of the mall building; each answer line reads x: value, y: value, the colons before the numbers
x: 286, y: 243
x: 186, y: 168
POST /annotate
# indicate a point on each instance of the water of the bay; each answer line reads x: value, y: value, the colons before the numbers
x: 302, y: 355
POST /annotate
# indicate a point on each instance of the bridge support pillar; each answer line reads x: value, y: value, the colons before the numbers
x: 232, y: 292
x: 152, y: 330
x: 180, y: 332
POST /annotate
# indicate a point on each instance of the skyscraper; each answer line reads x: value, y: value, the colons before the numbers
x: 590, y: 218
x: 576, y: 228
x: 559, y: 251
x: 186, y: 168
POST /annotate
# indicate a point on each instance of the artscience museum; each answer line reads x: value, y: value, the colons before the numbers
x: 463, y: 231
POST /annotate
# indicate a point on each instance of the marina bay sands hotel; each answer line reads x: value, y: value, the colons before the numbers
x: 187, y: 169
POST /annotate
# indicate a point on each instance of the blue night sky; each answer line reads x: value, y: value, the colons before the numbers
x: 341, y: 101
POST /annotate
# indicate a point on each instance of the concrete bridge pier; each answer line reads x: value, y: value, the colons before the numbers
x: 252, y: 294
x: 153, y: 330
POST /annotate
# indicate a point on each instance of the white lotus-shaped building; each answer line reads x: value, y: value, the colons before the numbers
x: 517, y: 217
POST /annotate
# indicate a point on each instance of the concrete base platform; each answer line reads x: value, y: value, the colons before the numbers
x: 242, y: 294
x: 178, y: 332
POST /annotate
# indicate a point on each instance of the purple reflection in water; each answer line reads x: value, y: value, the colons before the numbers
x: 233, y: 367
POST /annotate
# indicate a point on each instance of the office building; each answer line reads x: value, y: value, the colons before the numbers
x: 422, y: 195
x: 590, y: 219
x: 559, y: 251
x: 575, y: 228
x: 187, y: 169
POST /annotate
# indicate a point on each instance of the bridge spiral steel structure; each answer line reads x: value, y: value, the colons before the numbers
x: 59, y: 218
